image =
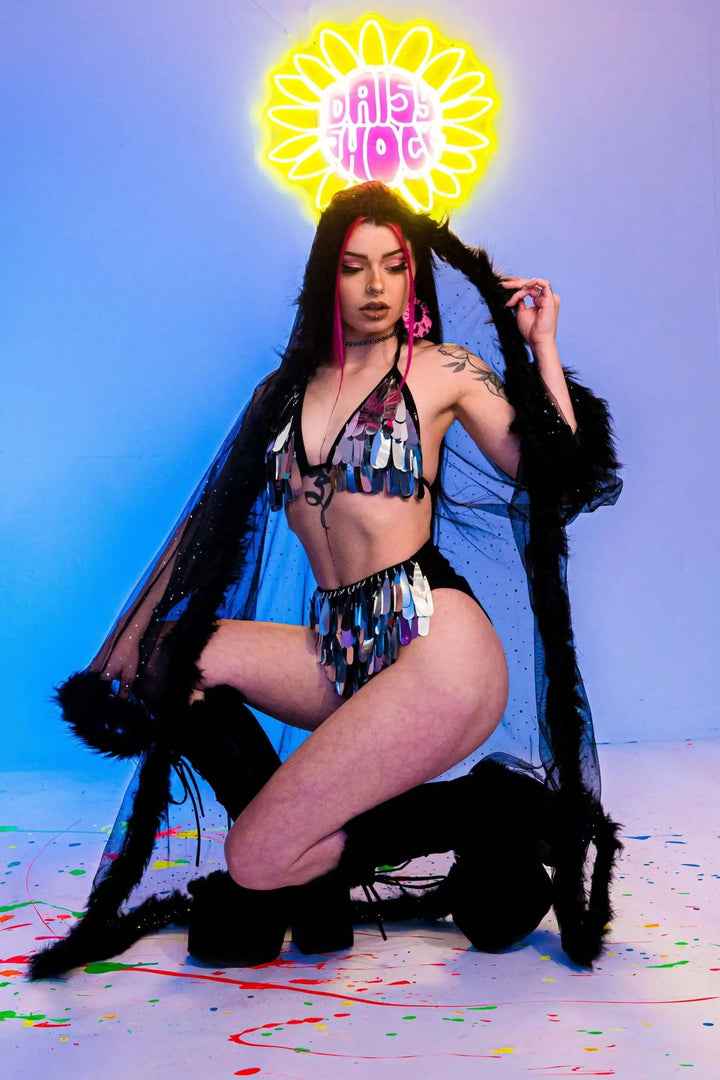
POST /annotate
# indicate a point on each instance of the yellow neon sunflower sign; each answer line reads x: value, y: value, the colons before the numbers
x: 377, y: 101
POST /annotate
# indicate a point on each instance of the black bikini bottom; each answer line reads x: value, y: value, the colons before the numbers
x: 360, y: 628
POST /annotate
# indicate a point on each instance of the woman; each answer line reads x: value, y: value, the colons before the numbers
x: 401, y: 675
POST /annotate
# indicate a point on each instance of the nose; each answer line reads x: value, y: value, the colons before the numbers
x: 375, y: 284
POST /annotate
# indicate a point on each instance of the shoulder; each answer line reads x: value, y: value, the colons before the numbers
x: 456, y: 362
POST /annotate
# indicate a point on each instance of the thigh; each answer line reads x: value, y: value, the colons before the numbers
x: 440, y: 701
x: 275, y: 668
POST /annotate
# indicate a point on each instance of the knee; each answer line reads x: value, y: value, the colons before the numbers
x: 253, y: 865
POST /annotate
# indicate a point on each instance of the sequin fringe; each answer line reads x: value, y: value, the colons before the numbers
x: 278, y: 463
x: 360, y: 628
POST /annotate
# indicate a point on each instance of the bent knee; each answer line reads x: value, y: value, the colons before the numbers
x: 253, y: 867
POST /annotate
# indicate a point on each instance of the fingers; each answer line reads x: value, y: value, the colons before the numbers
x: 536, y: 289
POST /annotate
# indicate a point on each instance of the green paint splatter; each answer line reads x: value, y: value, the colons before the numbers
x: 409, y: 1018
x: 77, y: 873
x: 104, y: 967
x: 8, y: 828
x: 390, y: 1034
x: 10, y: 1014
x: 480, y: 1008
x: 36, y: 903
x: 16, y: 863
x: 678, y: 963
x: 301, y: 1049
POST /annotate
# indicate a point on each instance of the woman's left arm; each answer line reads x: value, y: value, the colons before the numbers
x: 538, y: 326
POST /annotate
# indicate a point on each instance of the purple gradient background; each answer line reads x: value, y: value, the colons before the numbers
x: 148, y: 266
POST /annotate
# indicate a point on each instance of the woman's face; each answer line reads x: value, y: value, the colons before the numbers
x: 374, y: 284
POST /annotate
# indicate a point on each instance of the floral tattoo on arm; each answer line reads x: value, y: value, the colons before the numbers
x: 462, y: 359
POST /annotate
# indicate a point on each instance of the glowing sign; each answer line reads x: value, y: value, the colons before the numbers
x: 376, y: 101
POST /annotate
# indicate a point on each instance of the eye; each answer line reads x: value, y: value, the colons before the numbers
x: 346, y: 269
x: 397, y: 268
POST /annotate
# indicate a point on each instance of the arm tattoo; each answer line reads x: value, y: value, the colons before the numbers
x: 462, y: 359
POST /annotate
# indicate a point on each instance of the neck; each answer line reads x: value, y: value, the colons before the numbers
x: 360, y: 342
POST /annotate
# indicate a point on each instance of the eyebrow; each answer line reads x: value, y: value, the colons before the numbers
x: 387, y: 255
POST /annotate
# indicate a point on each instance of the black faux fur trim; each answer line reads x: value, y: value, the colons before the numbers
x: 107, y: 895
x: 99, y: 937
x: 113, y: 726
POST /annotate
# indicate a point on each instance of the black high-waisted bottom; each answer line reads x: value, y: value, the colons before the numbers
x: 360, y: 628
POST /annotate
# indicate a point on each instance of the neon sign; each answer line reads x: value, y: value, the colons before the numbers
x: 376, y: 101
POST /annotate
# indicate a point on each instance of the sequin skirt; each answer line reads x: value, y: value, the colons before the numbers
x: 360, y: 628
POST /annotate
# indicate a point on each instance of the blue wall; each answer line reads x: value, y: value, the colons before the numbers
x: 148, y: 267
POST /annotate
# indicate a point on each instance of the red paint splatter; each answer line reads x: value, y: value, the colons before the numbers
x: 46, y: 1024
x: 247, y: 1072
x: 405, y: 982
x: 15, y: 960
x: 312, y: 982
x: 240, y: 1038
x: 245, y: 984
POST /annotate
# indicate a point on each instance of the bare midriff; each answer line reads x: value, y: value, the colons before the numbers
x: 363, y: 533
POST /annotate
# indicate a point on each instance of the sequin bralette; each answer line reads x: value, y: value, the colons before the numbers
x: 377, y: 449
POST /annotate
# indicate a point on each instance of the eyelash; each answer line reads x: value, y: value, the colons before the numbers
x: 395, y: 268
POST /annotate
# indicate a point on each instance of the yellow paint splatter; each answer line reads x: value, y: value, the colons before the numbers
x: 167, y: 864
x: 503, y: 1050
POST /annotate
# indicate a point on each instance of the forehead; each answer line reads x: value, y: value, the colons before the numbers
x: 370, y: 239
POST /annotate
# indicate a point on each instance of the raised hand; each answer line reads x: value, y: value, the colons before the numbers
x: 538, y: 322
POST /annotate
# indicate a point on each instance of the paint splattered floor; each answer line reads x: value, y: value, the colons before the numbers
x: 419, y: 1005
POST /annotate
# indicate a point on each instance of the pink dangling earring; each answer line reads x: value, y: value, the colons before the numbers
x: 422, y: 321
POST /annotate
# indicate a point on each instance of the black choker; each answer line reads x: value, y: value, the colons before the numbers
x: 371, y: 341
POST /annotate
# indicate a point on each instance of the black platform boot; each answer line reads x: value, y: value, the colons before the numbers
x: 497, y: 889
x: 225, y: 743
x: 229, y: 924
x: 321, y: 914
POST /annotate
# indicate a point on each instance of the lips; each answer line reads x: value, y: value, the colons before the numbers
x: 375, y: 306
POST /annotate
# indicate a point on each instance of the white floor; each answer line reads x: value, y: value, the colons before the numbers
x: 419, y: 1005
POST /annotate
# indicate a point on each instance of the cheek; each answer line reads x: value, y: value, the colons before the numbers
x: 348, y: 291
